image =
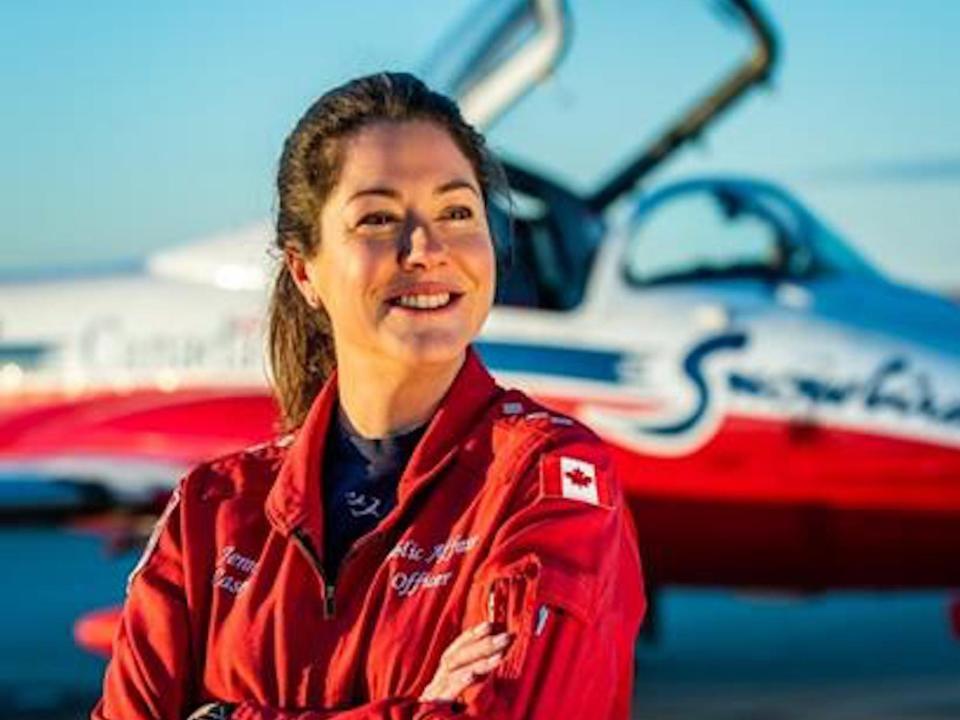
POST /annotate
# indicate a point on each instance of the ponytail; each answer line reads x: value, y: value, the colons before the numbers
x: 301, y: 349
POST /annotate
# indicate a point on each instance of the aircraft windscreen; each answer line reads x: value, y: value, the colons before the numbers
x: 701, y: 231
x: 630, y: 69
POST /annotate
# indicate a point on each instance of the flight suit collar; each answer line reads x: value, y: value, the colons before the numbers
x: 295, y: 501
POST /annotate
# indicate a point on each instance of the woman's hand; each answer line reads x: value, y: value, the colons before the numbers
x: 471, y: 656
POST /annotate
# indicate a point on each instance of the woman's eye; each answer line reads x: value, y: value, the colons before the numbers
x: 458, y: 212
x: 377, y: 219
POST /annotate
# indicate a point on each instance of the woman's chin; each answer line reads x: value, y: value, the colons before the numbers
x: 428, y: 348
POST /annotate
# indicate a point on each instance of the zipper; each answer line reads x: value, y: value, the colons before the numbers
x: 302, y: 541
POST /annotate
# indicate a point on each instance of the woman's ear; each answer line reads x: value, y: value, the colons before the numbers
x: 297, y: 267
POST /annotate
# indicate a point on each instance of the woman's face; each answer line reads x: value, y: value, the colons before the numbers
x: 405, y: 263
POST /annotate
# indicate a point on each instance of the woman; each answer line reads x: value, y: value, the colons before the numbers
x: 424, y: 543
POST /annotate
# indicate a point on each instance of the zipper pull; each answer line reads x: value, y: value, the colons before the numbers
x: 329, y: 604
x: 302, y: 540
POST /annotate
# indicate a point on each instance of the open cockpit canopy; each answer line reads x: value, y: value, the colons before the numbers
x: 501, y: 51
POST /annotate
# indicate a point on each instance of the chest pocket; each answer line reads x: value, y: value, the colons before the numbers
x: 521, y: 597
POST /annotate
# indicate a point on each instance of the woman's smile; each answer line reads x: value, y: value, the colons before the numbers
x: 425, y: 298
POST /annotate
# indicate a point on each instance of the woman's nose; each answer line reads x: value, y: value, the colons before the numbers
x: 421, y: 247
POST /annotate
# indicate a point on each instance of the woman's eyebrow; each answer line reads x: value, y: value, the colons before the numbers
x: 383, y: 191
x: 380, y: 191
x: 457, y: 184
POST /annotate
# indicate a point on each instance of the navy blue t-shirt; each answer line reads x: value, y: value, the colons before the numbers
x: 360, y: 484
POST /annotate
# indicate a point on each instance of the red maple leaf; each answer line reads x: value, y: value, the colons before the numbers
x: 579, y: 478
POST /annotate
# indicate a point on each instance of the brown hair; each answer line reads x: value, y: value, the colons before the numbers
x: 301, y: 353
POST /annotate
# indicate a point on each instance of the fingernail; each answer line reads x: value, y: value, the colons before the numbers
x: 494, y: 659
x: 501, y: 640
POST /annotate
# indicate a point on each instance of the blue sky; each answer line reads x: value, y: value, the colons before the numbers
x: 128, y: 128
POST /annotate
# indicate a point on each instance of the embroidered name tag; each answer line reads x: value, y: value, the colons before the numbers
x: 406, y: 584
x: 233, y: 570
x: 427, y: 557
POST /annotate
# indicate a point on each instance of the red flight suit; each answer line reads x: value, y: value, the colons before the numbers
x: 506, y: 511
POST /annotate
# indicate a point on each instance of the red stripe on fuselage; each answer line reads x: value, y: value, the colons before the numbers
x: 185, y: 425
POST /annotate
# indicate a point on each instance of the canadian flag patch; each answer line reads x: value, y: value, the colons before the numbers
x: 578, y: 480
x: 575, y: 478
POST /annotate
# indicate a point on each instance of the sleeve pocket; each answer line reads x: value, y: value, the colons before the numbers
x: 514, y: 598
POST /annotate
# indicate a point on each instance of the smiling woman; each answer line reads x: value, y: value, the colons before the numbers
x: 407, y: 549
x: 403, y: 267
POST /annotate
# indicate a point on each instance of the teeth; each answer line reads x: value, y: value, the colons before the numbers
x: 424, y: 302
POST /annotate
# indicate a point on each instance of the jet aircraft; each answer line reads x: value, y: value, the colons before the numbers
x: 784, y: 416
